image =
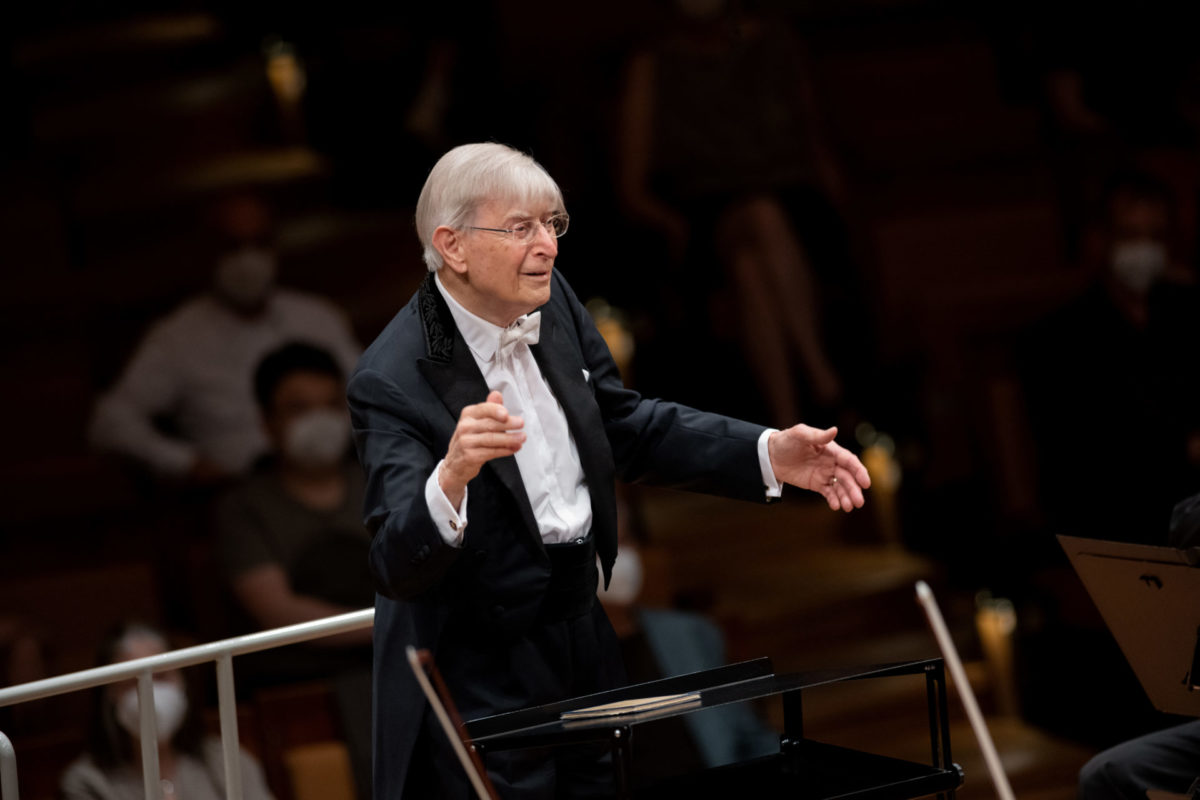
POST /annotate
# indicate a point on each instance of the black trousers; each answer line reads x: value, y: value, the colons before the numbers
x: 571, y: 651
x: 554, y: 661
x: 1168, y: 760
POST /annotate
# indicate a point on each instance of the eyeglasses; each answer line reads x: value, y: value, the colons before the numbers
x: 524, y: 231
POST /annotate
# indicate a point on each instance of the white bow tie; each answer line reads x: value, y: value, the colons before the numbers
x: 527, y: 329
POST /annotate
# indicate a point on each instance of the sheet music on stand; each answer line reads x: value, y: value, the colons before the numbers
x: 1149, y: 598
x: 637, y: 705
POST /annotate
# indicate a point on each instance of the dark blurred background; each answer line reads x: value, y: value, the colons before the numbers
x: 957, y: 178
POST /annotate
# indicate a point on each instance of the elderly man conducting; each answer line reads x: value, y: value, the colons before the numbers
x: 492, y: 422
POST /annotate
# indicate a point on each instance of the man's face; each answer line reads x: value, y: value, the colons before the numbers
x: 506, y: 278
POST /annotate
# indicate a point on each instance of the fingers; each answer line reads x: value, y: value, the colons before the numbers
x: 487, y: 427
x: 493, y: 409
x: 827, y: 435
x: 485, y: 431
x: 829, y: 492
x: 854, y: 468
x: 842, y: 495
x: 848, y: 490
x: 817, y: 437
x: 847, y: 478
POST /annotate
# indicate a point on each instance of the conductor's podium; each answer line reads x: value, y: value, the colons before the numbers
x: 801, y: 769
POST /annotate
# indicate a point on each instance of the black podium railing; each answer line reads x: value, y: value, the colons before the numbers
x: 803, y: 768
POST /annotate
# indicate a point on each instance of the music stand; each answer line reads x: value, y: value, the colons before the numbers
x: 1149, y: 598
x: 443, y: 707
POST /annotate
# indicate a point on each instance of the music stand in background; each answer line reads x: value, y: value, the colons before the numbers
x: 1149, y: 598
x: 443, y: 706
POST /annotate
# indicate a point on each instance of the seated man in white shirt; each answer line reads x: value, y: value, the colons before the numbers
x: 196, y: 365
x: 492, y: 422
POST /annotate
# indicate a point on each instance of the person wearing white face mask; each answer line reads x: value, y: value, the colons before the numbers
x: 291, y: 541
x: 1121, y: 350
x: 191, y: 765
x: 194, y: 366
x: 1110, y: 391
x: 1135, y: 248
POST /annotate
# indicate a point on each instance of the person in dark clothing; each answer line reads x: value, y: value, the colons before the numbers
x: 1124, y: 350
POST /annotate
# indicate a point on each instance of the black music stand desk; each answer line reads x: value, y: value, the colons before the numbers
x: 802, y: 769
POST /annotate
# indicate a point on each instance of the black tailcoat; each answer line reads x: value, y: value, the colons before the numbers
x: 405, y: 399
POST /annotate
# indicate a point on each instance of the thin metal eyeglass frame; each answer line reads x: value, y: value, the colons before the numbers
x: 510, y: 231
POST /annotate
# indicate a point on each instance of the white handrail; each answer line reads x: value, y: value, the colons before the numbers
x: 143, y: 669
x: 8, y: 768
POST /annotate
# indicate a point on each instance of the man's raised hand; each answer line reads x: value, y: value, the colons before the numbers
x: 810, y: 458
x: 485, y: 431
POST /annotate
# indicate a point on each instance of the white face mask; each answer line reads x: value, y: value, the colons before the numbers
x: 170, y: 707
x: 317, y: 439
x: 626, y: 580
x: 1138, y: 263
x: 245, y: 277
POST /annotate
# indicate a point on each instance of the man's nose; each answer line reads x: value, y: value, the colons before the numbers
x: 545, y: 239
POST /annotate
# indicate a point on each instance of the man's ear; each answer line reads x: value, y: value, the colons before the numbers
x: 449, y: 243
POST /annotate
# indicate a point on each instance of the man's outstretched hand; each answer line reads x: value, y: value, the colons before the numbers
x: 810, y: 458
x: 485, y: 431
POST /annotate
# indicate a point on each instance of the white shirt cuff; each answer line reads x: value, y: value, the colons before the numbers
x: 450, y: 521
x: 774, y: 487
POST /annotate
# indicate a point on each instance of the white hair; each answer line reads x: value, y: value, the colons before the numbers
x: 469, y: 176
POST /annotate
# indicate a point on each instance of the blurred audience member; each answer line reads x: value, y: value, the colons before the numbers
x: 718, y: 124
x: 292, y: 538
x: 183, y: 406
x: 190, y: 764
x: 290, y: 534
x: 1122, y: 351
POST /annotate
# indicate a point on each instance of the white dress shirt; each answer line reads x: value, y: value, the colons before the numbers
x: 197, y: 366
x: 548, y: 460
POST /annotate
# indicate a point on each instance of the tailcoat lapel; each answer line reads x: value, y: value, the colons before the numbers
x: 454, y: 375
x: 557, y: 359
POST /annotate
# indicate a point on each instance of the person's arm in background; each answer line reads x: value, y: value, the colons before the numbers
x: 318, y: 320
x: 267, y: 595
x: 259, y: 583
x: 123, y: 420
x: 634, y: 147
